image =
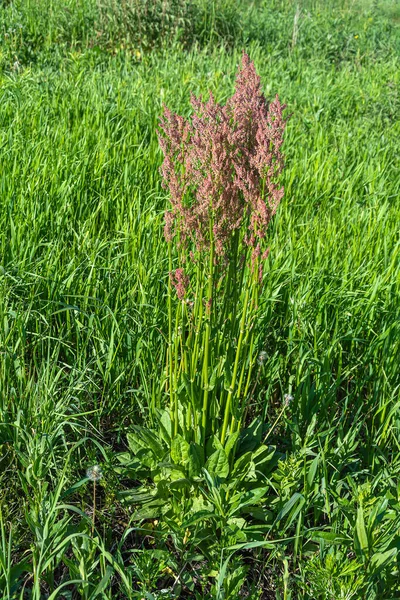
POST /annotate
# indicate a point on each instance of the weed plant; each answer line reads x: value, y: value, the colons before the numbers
x: 84, y: 276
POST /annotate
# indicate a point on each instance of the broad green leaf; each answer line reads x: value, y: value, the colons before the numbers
x: 16, y: 571
x: 150, y: 511
x: 180, y: 451
x: 247, y: 498
x: 217, y: 444
x: 165, y: 426
x: 195, y: 462
x: 180, y: 484
x: 218, y: 464
x: 135, y: 442
x: 242, y: 465
x: 153, y: 442
x: 168, y: 467
x: 265, y: 458
x: 200, y: 515
x: 145, y: 439
x: 250, y: 438
x: 231, y: 442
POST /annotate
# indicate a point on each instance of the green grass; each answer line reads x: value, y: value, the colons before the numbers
x: 83, y: 283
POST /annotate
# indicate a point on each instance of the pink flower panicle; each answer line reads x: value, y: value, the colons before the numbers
x: 221, y: 166
x: 180, y: 281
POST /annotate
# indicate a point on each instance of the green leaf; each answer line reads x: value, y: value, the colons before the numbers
x: 258, y: 513
x: 250, y: 545
x: 242, y: 465
x: 330, y: 537
x: 17, y: 570
x: 180, y: 451
x: 220, y: 595
x: 74, y: 487
x: 250, y: 497
x: 250, y: 437
x: 237, y: 521
x: 218, y: 464
x: 292, y: 506
x: 103, y: 583
x: 195, y: 462
x: 56, y: 593
x: 361, y: 538
x: 213, y: 378
x: 312, y: 471
x: 217, y: 444
x: 135, y: 443
x: 153, y: 442
x: 200, y: 515
x: 180, y: 484
x: 150, y: 511
x: 142, y: 439
x: 165, y: 424
x: 168, y: 467
x: 231, y: 442
x: 136, y: 496
x: 380, y: 560
x: 265, y: 458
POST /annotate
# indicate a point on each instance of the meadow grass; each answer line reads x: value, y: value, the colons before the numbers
x: 83, y: 304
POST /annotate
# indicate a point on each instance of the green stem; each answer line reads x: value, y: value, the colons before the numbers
x: 176, y: 372
x: 169, y: 352
x: 275, y: 422
x: 94, y: 506
x: 254, y: 306
x: 235, y: 368
x: 197, y: 327
x: 207, y: 335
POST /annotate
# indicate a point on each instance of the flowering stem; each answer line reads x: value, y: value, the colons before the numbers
x: 249, y: 332
x: 207, y: 334
x: 176, y: 374
x: 220, y: 167
x: 169, y: 353
x: 235, y: 368
x: 94, y: 506
x: 275, y: 422
x: 254, y: 306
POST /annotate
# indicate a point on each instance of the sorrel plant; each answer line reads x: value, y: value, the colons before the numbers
x: 221, y: 168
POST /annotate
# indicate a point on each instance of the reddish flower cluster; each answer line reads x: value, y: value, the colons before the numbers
x: 221, y: 166
x: 180, y: 281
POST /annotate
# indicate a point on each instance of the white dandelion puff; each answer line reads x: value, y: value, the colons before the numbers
x: 288, y: 398
x: 262, y: 358
x: 94, y: 473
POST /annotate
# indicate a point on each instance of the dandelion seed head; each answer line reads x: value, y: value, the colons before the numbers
x: 287, y: 398
x: 262, y: 358
x: 94, y: 473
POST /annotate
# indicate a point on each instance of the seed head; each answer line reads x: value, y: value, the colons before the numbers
x: 221, y: 166
x: 262, y: 358
x: 180, y: 281
x: 287, y: 398
x: 94, y: 473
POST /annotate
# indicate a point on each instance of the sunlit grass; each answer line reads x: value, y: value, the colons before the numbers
x: 83, y: 281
